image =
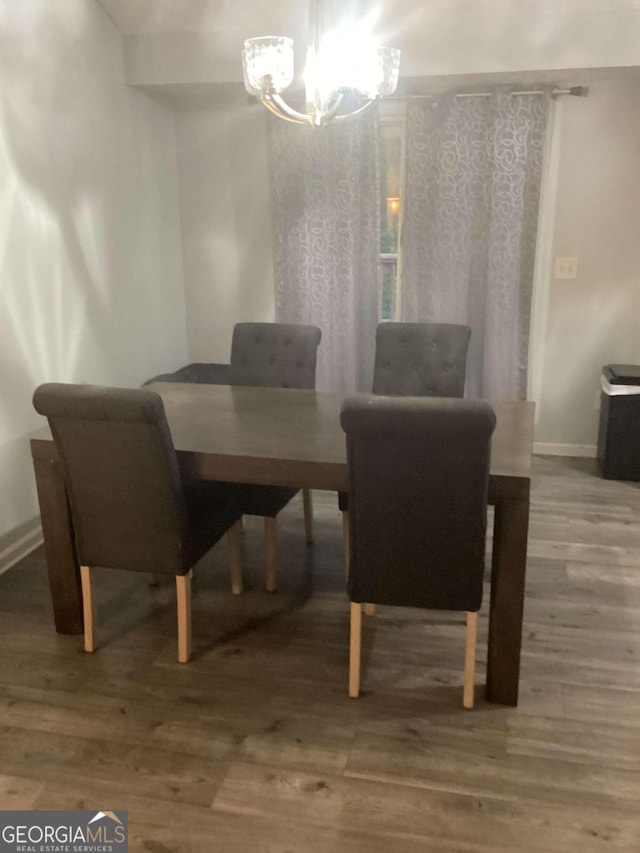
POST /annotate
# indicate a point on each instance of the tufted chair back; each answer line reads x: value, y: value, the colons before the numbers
x: 421, y: 359
x: 276, y: 355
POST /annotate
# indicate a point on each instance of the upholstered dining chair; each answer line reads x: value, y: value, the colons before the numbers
x: 275, y: 355
x: 418, y: 481
x: 415, y: 360
x: 421, y: 359
x: 130, y: 507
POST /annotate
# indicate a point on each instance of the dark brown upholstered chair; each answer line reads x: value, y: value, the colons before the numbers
x: 275, y: 355
x: 130, y: 507
x: 418, y: 480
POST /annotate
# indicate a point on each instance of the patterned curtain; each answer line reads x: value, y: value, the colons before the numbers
x: 325, y: 196
x: 473, y: 172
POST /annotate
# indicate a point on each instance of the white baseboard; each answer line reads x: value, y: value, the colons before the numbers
x: 544, y: 448
x: 15, y: 551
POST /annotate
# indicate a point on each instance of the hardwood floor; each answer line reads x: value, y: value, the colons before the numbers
x: 255, y: 745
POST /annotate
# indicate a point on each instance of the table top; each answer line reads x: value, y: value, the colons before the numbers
x: 294, y: 438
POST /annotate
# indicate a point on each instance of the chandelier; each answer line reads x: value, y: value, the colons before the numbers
x: 344, y: 74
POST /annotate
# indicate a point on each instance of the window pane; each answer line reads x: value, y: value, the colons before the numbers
x: 390, y: 164
x: 391, y: 147
x: 388, y: 288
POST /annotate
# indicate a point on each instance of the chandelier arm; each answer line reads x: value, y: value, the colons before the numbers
x: 276, y: 111
x: 330, y: 113
x: 360, y: 109
x: 280, y: 108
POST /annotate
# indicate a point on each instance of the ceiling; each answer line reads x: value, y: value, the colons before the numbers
x: 197, y: 42
x: 235, y: 18
x: 238, y: 19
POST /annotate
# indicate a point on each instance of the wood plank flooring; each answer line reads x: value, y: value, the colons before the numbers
x: 255, y: 746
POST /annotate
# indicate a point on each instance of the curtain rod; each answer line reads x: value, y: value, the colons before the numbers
x: 576, y: 91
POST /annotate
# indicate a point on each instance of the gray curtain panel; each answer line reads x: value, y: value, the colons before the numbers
x: 472, y: 187
x: 325, y: 198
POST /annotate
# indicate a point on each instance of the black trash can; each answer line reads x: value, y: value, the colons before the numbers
x: 619, y: 432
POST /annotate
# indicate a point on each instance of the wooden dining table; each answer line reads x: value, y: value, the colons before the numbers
x: 286, y: 437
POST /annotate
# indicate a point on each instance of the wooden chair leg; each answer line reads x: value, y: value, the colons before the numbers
x: 234, y: 538
x: 470, y: 660
x: 354, y: 650
x: 183, y: 595
x: 270, y: 535
x: 87, y: 607
x: 345, y: 541
x: 308, y: 515
x: 369, y: 610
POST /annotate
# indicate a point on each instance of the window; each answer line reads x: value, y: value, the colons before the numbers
x: 391, y: 130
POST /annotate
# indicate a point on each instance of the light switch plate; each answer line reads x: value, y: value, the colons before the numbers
x: 565, y: 268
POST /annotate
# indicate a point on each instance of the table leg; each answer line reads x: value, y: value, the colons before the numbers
x: 508, y: 569
x: 64, y: 571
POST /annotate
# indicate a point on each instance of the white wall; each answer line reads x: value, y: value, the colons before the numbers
x: 91, y: 285
x: 226, y: 220
x: 594, y: 320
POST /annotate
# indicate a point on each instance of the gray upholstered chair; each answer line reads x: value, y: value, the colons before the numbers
x: 418, y: 481
x: 129, y: 505
x: 275, y: 355
x: 421, y: 359
x: 416, y: 360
